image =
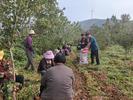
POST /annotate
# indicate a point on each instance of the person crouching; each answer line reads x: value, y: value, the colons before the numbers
x: 46, y: 62
x: 57, y: 83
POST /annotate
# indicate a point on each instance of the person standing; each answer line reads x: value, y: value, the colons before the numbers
x: 83, y: 41
x: 92, y: 44
x: 57, y: 83
x: 29, y: 50
x: 84, y: 50
x: 1, y: 65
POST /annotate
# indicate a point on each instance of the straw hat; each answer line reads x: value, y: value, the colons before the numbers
x: 32, y: 32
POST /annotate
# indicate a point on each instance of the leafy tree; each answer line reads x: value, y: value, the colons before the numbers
x: 125, y: 37
x: 114, y: 19
x: 115, y: 31
x: 101, y: 36
x: 15, y: 15
x: 54, y: 29
x: 125, y: 18
x: 126, y: 41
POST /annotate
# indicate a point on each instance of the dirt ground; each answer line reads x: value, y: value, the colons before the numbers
x: 80, y: 92
x: 112, y: 92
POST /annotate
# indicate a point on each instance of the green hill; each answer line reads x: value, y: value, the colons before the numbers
x: 86, y: 24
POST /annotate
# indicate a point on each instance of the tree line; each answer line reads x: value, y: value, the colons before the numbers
x: 115, y: 31
x: 44, y: 16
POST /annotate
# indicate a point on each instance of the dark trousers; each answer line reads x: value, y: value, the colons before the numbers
x: 93, y: 55
x: 29, y: 55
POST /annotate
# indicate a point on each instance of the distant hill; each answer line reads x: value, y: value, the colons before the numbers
x: 85, y: 25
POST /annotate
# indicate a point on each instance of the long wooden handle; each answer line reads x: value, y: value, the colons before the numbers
x: 14, y: 77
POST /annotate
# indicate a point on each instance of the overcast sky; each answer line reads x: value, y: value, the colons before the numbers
x: 79, y: 10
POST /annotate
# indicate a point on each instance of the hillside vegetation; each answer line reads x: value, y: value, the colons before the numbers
x: 110, y: 80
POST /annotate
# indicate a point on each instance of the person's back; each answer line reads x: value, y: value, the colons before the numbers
x: 58, y: 83
x: 28, y: 43
x: 94, y: 49
x: 94, y: 45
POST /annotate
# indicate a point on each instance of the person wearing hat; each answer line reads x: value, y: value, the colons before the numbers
x: 92, y: 44
x: 1, y: 54
x: 46, y: 62
x: 1, y: 64
x: 5, y: 73
x: 29, y: 50
x: 57, y: 83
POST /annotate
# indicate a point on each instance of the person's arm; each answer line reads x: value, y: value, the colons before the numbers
x: 43, y: 80
x: 89, y: 43
x: 43, y: 83
x: 41, y: 90
x: 73, y: 79
x: 39, y: 67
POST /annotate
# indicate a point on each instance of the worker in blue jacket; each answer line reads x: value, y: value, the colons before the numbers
x: 92, y: 44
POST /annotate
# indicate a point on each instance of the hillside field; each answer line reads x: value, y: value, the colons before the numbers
x: 111, y: 80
